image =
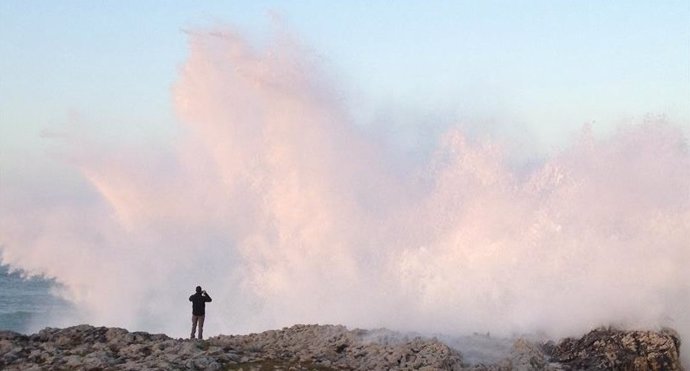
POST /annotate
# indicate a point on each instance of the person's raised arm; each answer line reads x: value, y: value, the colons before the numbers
x: 208, y: 297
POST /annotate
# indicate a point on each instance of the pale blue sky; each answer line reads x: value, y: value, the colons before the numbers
x: 543, y: 67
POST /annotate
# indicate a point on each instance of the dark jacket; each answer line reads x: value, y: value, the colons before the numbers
x: 199, y: 301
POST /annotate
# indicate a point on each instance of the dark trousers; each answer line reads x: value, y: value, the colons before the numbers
x: 200, y: 321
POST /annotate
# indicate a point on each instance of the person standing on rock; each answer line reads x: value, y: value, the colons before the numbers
x: 199, y: 300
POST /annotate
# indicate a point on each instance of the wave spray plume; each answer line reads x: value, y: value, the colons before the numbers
x: 273, y: 200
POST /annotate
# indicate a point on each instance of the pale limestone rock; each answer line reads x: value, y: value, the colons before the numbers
x: 304, y: 347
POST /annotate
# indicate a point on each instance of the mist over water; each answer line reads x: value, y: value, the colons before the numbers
x: 287, y: 212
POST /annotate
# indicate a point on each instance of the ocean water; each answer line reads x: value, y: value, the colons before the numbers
x: 28, y: 304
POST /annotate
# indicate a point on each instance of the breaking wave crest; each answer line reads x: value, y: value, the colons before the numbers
x: 287, y: 212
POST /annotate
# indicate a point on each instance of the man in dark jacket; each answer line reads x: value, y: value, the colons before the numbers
x: 199, y: 300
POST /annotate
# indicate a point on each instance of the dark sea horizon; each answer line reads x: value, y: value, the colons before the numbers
x: 28, y: 304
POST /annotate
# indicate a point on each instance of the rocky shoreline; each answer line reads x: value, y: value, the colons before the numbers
x: 323, y: 347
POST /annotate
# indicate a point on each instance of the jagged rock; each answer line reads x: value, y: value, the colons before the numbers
x: 611, y: 349
x: 312, y: 347
x: 336, y: 347
x: 528, y: 356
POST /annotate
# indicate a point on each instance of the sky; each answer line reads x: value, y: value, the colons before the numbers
x: 540, y: 69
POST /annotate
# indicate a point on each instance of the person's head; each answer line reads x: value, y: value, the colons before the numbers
x: 198, y: 289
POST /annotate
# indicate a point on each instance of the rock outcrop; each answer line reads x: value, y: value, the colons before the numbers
x: 313, y: 347
x: 301, y: 347
x: 611, y: 349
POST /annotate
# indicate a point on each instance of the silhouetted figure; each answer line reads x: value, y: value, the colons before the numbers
x: 199, y: 300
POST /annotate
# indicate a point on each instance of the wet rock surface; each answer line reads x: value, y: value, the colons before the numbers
x: 315, y: 347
